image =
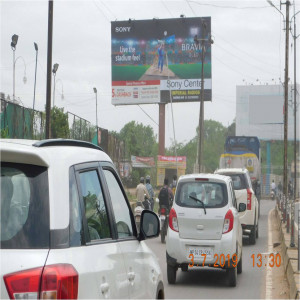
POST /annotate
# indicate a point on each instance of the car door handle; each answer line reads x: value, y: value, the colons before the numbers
x: 131, y: 276
x: 104, y: 287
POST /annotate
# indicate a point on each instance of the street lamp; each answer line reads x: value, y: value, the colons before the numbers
x: 24, y: 78
x: 36, y: 57
x: 201, y: 113
x: 13, y: 44
x: 55, y: 67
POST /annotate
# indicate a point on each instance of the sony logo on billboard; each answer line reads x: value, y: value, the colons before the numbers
x: 122, y: 29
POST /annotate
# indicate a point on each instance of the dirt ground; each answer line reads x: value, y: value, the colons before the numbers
x: 280, y: 286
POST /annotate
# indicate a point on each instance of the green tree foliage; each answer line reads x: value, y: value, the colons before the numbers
x: 277, y: 155
x: 139, y: 139
x: 214, y: 138
x: 59, y: 123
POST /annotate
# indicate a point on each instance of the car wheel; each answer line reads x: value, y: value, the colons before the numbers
x: 252, y: 236
x: 240, y: 265
x: 163, y: 234
x: 256, y: 234
x: 232, y: 276
x: 184, y: 268
x: 171, y: 274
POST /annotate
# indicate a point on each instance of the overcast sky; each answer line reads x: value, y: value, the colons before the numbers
x: 248, y: 49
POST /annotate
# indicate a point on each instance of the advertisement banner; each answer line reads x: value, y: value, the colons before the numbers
x: 169, y: 162
x: 153, y: 60
x: 142, y: 162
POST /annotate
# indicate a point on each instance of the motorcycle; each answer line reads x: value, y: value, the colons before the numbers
x: 272, y: 194
x: 164, y: 221
x: 140, y: 206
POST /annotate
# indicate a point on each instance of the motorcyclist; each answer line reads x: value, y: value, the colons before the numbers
x: 174, y: 184
x: 150, y: 191
x: 141, y: 191
x: 273, y: 187
x: 165, y: 195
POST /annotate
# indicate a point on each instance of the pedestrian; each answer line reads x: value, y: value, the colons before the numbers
x: 165, y: 195
x: 141, y: 191
x: 150, y: 191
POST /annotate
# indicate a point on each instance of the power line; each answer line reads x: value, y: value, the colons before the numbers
x: 147, y: 115
x: 241, y: 50
x: 247, y: 62
x: 230, y: 7
x: 101, y: 11
x: 190, y: 7
x: 232, y: 68
x: 167, y: 8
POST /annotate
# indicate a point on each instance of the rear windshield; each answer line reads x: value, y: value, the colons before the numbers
x: 239, y: 181
x: 212, y: 194
x: 24, y: 206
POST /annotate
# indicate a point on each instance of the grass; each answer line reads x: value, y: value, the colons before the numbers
x: 189, y: 71
x: 183, y: 71
x: 123, y: 73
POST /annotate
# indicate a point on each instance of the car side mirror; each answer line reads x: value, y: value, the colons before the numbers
x: 149, y: 225
x: 242, y: 207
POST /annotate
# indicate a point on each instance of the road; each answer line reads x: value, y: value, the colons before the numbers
x: 212, y: 283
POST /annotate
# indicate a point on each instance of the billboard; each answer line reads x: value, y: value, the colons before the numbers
x: 153, y: 58
x: 260, y: 112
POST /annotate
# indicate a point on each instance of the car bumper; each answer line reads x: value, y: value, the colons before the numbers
x: 178, y: 249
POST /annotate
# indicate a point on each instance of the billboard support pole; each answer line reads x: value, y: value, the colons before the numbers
x: 161, y: 138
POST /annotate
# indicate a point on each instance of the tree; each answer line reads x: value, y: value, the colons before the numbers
x: 139, y: 140
x: 59, y: 123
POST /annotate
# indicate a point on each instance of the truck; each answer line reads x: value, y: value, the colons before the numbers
x: 243, y: 152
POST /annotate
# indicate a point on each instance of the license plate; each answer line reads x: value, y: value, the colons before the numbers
x: 162, y: 217
x: 198, y: 251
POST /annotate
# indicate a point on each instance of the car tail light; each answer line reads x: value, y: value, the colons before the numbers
x: 173, y: 223
x: 249, y: 199
x: 228, y: 222
x: 51, y: 282
x: 163, y: 211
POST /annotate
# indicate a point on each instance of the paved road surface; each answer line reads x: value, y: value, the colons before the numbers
x: 211, y: 283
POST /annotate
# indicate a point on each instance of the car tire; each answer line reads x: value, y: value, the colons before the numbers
x: 240, y: 265
x: 252, y: 239
x: 256, y: 233
x: 184, y: 268
x: 171, y: 274
x: 162, y: 235
x: 232, y: 276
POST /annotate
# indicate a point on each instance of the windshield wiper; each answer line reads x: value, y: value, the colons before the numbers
x: 196, y: 199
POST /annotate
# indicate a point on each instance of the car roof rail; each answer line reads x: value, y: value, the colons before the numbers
x: 66, y: 142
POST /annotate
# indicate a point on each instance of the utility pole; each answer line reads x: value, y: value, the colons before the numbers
x: 286, y: 83
x: 292, y: 244
x: 49, y: 66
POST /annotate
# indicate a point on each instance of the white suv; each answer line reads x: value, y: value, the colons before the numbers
x: 245, y: 194
x: 67, y: 230
x: 204, y: 226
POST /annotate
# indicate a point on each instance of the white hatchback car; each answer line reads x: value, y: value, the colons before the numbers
x: 67, y: 229
x: 245, y: 194
x: 204, y: 226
